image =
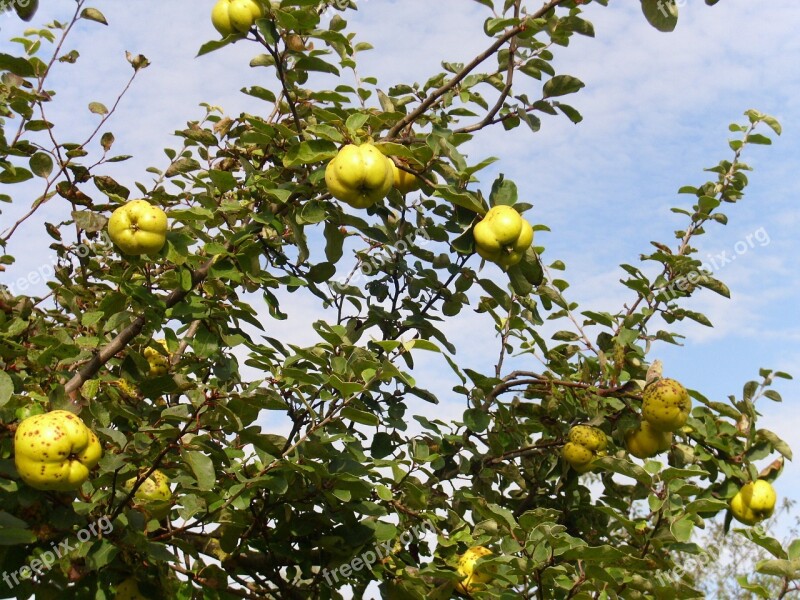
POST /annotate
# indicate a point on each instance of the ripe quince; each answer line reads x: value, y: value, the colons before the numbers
x: 138, y: 227
x: 159, y: 364
x: 359, y: 175
x: 503, y: 236
x: 666, y: 405
x: 153, y: 496
x: 584, y: 445
x: 55, y: 451
x: 754, y: 502
x: 404, y: 182
x: 645, y: 442
x: 472, y: 578
x: 235, y: 16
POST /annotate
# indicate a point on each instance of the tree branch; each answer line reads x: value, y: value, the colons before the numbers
x: 489, y: 52
x: 124, y: 337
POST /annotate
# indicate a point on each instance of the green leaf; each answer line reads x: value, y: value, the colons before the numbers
x: 312, y: 212
x: 107, y: 140
x: 504, y: 192
x: 313, y: 63
x: 464, y: 199
x: 6, y: 388
x: 794, y: 549
x: 355, y: 122
x: 203, y: 468
x: 519, y: 282
x: 26, y: 10
x: 661, y: 14
x: 181, y: 166
x: 624, y: 467
x: 89, y: 220
x: 781, y: 568
x: 757, y: 138
x: 41, y: 164
x: 422, y: 345
x: 382, y: 445
x: 360, y: 416
x: 92, y: 14
x: 714, y: 285
x: 213, y: 45
x: 477, y: 419
x: 682, y: 529
x: 98, y: 108
x: 604, y: 553
x: 561, y: 85
x: 770, y: 544
x: 776, y: 442
x: 260, y: 93
x: 17, y: 66
x: 334, y: 242
x: 224, y: 181
x: 111, y: 188
x: 16, y: 537
x: 311, y: 151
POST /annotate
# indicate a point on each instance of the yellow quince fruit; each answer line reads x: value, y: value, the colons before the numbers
x: 754, y: 502
x: 473, y: 578
x: 359, y: 175
x: 666, y: 405
x: 159, y: 364
x: 503, y: 236
x: 646, y: 442
x: 153, y: 496
x: 55, y: 451
x: 584, y: 445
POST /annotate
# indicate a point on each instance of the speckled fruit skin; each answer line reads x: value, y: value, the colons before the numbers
x: 153, y: 496
x: 466, y: 569
x: 55, y: 451
x: 666, y: 405
x: 588, y: 437
x: 646, y: 442
x: 159, y: 364
x: 584, y: 445
x: 754, y: 502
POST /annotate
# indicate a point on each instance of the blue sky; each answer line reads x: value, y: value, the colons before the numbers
x: 656, y: 109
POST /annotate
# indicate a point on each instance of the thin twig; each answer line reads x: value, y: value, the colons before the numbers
x: 471, y: 66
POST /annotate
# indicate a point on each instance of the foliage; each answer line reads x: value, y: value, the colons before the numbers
x: 258, y: 514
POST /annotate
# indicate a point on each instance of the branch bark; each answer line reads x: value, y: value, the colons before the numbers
x: 490, y: 51
x: 124, y: 337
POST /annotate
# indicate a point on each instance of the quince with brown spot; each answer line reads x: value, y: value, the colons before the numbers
x: 55, y: 451
x: 666, y: 405
x: 585, y: 444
